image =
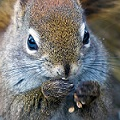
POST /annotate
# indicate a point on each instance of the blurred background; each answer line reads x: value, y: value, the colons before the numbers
x: 103, y: 17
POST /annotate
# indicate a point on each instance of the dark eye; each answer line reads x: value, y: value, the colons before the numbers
x: 31, y: 43
x: 86, y: 37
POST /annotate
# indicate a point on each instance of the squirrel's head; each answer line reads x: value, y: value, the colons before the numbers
x: 56, y: 33
x: 53, y: 37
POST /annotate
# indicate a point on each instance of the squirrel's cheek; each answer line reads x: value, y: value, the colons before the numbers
x: 53, y: 71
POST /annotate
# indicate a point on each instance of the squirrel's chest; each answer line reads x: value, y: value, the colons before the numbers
x: 70, y: 116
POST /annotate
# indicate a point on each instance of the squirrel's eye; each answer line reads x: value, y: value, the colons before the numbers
x: 31, y: 43
x: 86, y: 37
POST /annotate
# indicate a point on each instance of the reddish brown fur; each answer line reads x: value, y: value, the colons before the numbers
x: 57, y: 24
x: 42, y: 7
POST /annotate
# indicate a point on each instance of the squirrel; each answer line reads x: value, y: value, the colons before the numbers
x: 52, y: 67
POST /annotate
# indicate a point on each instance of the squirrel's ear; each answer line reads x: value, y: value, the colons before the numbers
x: 23, y: 3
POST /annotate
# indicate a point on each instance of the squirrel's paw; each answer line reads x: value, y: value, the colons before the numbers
x: 56, y: 88
x: 86, y: 93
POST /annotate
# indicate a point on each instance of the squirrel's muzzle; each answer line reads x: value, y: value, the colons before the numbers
x: 67, y: 70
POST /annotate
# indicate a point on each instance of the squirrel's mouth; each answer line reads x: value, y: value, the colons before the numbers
x: 56, y: 78
x: 63, y: 72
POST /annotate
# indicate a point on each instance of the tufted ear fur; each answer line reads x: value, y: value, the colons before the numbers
x: 24, y: 2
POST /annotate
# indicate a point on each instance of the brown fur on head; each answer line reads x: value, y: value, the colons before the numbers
x: 58, y: 24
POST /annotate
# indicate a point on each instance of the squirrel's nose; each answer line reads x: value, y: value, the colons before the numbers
x: 67, y: 70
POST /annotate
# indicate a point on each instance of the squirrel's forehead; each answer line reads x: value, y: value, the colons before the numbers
x: 59, y: 14
x: 45, y: 5
x: 57, y: 21
x: 43, y: 8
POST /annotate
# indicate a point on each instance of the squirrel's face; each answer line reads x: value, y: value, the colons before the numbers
x: 56, y: 34
x: 54, y: 38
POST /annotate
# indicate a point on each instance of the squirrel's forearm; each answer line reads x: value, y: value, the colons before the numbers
x: 30, y: 100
